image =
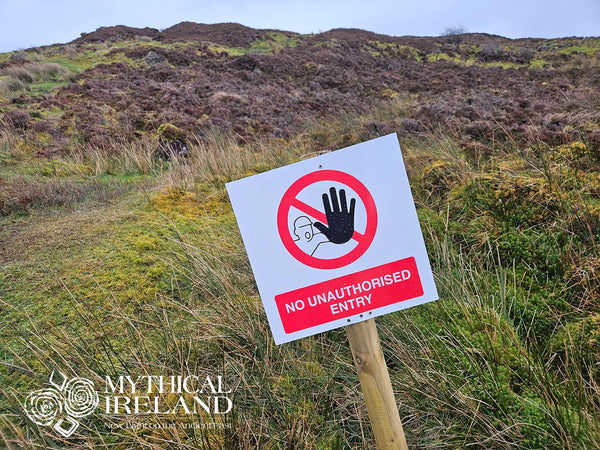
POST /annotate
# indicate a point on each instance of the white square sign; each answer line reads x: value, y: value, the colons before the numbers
x: 334, y: 240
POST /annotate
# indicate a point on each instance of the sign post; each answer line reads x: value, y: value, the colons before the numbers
x: 334, y: 241
x: 376, y: 385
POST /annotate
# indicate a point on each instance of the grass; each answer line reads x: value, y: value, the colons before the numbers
x: 154, y: 279
x: 33, y: 78
x: 274, y: 43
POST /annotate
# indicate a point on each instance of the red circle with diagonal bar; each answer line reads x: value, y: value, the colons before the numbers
x: 290, y: 198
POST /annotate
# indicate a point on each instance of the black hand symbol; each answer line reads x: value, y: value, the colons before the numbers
x: 339, y: 218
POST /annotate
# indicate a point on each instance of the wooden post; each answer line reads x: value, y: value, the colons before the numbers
x: 376, y: 385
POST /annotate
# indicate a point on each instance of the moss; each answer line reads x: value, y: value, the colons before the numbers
x: 176, y: 201
x: 387, y: 49
x: 44, y: 139
x: 591, y: 49
x: 157, y: 271
x: 582, y: 337
x: 282, y: 40
x: 170, y: 132
x: 432, y: 57
x: 538, y: 63
x: 389, y: 93
x: 517, y: 200
x: 438, y: 178
x: 89, y: 56
x: 146, y: 242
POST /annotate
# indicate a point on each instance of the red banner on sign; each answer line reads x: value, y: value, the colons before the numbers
x: 349, y: 295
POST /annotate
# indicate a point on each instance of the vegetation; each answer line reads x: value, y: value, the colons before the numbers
x: 114, y: 261
x: 454, y: 34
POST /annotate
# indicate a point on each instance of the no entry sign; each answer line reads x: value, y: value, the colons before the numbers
x: 308, y: 213
x: 334, y: 240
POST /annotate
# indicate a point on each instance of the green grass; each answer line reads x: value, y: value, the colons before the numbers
x: 81, y: 58
x: 274, y: 43
x: 37, y: 89
x: 33, y: 79
x: 154, y: 279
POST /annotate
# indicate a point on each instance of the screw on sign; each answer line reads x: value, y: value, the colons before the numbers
x: 335, y: 224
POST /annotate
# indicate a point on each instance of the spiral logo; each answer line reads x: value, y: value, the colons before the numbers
x: 81, y: 399
x: 62, y: 404
x: 43, y: 406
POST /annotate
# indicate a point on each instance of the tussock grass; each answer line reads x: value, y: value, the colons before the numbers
x: 10, y: 84
x: 11, y: 144
x: 471, y: 357
x: 42, y: 75
x: 122, y: 158
x: 218, y: 158
x: 36, y: 72
x: 28, y: 183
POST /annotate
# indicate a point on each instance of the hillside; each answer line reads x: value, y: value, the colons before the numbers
x: 266, y: 83
x: 119, y: 251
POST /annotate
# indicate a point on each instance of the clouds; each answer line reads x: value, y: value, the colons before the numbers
x: 26, y: 23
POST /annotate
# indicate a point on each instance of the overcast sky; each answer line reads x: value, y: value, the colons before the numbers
x: 27, y: 23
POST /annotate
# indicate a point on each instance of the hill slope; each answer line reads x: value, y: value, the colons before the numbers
x: 266, y: 82
x: 120, y: 256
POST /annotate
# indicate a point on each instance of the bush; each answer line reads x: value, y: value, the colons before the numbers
x: 525, y: 55
x: 516, y: 201
x: 454, y: 35
x: 169, y: 132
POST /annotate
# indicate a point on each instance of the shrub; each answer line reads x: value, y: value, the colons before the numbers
x: 582, y: 337
x: 514, y: 200
x: 525, y: 55
x: 454, y: 34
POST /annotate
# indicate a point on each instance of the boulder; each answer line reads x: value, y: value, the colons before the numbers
x: 154, y: 58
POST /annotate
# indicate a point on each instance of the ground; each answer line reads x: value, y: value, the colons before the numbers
x: 113, y: 260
